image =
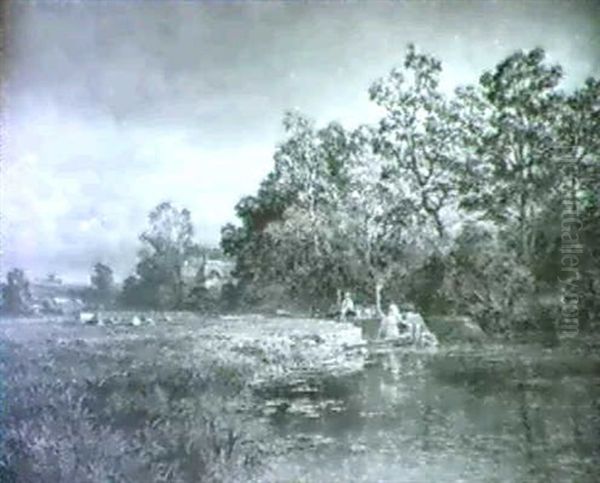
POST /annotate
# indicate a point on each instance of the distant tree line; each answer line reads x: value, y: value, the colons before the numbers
x: 455, y: 203
x: 19, y: 299
x: 159, y: 281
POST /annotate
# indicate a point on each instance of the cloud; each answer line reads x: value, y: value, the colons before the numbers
x: 84, y: 189
x: 113, y: 107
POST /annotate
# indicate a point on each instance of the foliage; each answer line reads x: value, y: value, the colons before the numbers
x: 417, y: 136
x: 167, y: 245
x: 486, y: 282
x: 392, y: 205
x: 515, y: 155
x: 103, y: 284
x: 16, y: 294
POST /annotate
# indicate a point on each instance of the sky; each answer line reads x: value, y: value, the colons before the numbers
x: 110, y: 107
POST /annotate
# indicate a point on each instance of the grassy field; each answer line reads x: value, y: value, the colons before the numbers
x: 169, y: 402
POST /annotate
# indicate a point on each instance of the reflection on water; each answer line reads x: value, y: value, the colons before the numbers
x: 521, y: 413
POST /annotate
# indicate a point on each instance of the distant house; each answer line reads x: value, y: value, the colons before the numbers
x: 217, y: 273
x: 213, y: 273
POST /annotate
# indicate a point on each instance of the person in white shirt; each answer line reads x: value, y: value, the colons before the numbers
x: 388, y: 329
x: 347, y: 308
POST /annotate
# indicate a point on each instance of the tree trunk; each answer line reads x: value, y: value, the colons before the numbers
x: 378, y: 289
x: 523, y: 226
x: 439, y: 226
x: 313, y: 220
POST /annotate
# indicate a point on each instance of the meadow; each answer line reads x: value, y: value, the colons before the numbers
x: 170, y: 402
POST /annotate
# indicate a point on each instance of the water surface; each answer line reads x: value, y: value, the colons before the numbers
x: 505, y: 413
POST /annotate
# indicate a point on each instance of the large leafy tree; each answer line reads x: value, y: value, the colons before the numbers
x: 249, y: 244
x: 308, y: 274
x: 579, y: 194
x: 373, y: 207
x: 373, y: 217
x: 574, y: 195
x: 579, y: 140
x: 167, y: 244
x: 486, y: 281
x: 311, y: 164
x: 283, y: 237
x: 417, y: 135
x: 513, y: 138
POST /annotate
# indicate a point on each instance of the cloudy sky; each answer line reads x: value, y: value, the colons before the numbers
x: 112, y: 107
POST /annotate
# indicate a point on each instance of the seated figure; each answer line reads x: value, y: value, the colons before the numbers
x: 347, y: 309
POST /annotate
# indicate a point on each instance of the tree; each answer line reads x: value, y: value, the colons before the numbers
x: 282, y: 239
x: 331, y: 214
x: 310, y: 163
x: 248, y: 243
x: 16, y: 294
x: 579, y: 196
x: 130, y: 294
x: 372, y: 207
x: 514, y: 139
x: 307, y: 274
x: 417, y: 136
x: 166, y: 245
x: 102, y: 281
x: 377, y: 219
x: 579, y: 140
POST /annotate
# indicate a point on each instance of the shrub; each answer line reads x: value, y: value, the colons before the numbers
x: 16, y: 294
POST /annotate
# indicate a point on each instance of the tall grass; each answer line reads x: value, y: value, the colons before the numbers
x: 119, y: 408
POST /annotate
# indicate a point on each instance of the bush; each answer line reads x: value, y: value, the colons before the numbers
x: 74, y: 415
x: 16, y: 294
x: 493, y: 288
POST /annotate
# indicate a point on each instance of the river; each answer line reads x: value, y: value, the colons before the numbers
x: 494, y: 413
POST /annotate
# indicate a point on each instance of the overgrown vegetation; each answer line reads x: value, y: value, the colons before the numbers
x: 456, y: 203
x: 148, y: 407
x: 176, y: 402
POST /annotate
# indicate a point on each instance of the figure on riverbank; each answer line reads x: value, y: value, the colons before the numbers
x: 418, y: 330
x: 388, y: 329
x: 347, y: 309
x: 406, y: 327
